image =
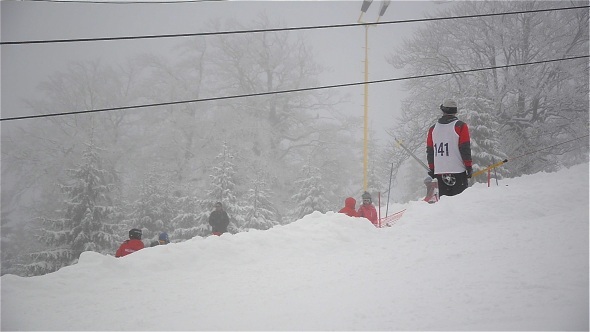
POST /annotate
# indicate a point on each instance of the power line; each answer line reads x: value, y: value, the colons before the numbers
x: 284, y: 91
x: 548, y: 147
x: 500, y: 163
x: 124, y: 2
x: 198, y: 34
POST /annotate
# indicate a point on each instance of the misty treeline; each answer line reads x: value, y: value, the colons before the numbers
x: 80, y: 182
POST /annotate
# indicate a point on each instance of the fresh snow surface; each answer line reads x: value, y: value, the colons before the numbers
x: 507, y: 257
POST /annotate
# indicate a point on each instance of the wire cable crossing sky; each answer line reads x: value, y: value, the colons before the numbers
x: 74, y: 40
x: 283, y: 91
x: 126, y: 2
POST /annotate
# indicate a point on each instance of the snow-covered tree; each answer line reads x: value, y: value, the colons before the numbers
x: 377, y: 170
x: 310, y: 195
x: 484, y: 130
x: 190, y: 220
x: 13, y: 244
x: 155, y: 208
x: 86, y: 223
x: 193, y: 218
x: 260, y: 211
x: 224, y: 188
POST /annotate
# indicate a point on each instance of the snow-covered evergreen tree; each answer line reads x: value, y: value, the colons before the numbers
x: 260, y: 211
x: 155, y: 208
x: 310, y: 193
x: 87, y: 223
x: 485, y: 136
x: 13, y: 243
x: 377, y: 172
x: 193, y: 218
x: 224, y: 188
x: 190, y: 220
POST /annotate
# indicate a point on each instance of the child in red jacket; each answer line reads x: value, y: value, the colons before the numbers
x: 349, y: 207
x: 367, y: 210
x: 132, y: 245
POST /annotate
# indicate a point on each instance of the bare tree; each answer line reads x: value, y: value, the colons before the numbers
x: 180, y: 134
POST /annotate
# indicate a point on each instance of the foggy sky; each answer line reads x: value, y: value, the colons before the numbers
x: 339, y: 50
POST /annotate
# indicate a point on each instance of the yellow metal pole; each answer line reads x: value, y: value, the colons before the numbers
x: 500, y: 163
x: 366, y: 127
x: 364, y: 7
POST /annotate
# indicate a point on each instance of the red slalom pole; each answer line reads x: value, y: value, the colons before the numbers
x: 379, y: 213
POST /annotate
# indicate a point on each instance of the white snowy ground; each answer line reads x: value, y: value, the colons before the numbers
x: 508, y: 257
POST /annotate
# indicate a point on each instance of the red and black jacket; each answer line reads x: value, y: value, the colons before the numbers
x: 128, y: 247
x: 464, y: 140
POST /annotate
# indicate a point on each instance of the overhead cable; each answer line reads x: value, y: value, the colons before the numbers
x: 500, y: 163
x: 124, y: 2
x: 548, y: 147
x: 284, y: 91
x: 199, y: 34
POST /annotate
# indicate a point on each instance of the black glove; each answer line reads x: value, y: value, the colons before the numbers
x: 431, y: 173
x: 469, y: 172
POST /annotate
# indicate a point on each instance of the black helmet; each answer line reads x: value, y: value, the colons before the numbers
x: 135, y: 233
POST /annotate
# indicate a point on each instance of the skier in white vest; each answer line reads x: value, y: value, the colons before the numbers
x: 448, y: 151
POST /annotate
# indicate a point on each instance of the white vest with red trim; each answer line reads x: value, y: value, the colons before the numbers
x: 445, y: 140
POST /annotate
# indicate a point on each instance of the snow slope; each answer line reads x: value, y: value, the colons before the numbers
x: 508, y: 257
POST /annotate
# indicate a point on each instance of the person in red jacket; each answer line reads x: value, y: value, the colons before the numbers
x: 132, y: 245
x: 448, y: 151
x: 349, y: 207
x: 367, y: 209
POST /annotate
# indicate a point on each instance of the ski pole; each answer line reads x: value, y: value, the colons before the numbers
x: 412, y: 155
x: 389, y: 190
